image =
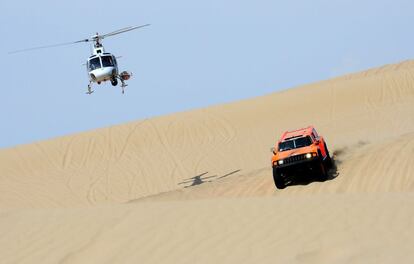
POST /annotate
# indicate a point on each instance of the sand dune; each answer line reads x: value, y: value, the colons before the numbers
x: 196, y: 187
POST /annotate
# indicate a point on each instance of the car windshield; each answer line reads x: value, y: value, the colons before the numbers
x: 94, y: 64
x: 107, y: 61
x: 295, y: 143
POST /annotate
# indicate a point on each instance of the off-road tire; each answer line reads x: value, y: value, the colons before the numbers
x: 278, y: 179
x: 322, y: 168
x: 328, y: 160
x: 323, y: 171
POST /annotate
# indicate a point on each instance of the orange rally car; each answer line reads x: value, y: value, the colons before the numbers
x: 300, y: 151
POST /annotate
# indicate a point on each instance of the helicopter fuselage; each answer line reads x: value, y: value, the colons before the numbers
x: 103, y: 74
x: 102, y: 67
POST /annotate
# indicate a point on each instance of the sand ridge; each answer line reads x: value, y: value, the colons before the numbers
x: 196, y: 186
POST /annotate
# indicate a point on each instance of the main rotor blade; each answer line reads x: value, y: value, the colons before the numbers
x: 122, y: 30
x: 49, y: 46
x: 94, y: 38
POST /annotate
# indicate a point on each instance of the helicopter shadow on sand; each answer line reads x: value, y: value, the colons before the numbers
x: 202, y: 178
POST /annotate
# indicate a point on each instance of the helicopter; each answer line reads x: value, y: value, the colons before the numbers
x: 101, y: 66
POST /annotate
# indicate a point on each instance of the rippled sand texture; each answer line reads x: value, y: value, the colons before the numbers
x: 196, y: 187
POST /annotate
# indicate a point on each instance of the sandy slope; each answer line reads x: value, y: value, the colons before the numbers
x: 122, y: 194
x: 343, y: 228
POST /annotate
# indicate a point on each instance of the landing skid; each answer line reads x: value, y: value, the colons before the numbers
x: 123, y: 85
x: 90, y: 91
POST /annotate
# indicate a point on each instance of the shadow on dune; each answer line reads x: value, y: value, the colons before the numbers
x: 229, y: 174
x: 196, y: 180
x: 200, y: 179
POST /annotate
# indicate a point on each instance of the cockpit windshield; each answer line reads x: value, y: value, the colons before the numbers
x: 94, y: 64
x: 107, y: 61
x: 295, y: 143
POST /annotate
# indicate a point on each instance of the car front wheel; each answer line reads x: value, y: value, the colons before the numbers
x: 279, y: 179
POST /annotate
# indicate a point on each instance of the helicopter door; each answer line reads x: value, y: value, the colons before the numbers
x: 115, y: 63
x: 94, y: 64
x: 107, y: 61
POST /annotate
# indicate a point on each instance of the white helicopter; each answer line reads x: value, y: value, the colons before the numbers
x: 101, y: 66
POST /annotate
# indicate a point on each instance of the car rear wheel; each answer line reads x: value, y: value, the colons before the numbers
x: 322, y: 171
x: 322, y: 167
x: 328, y: 160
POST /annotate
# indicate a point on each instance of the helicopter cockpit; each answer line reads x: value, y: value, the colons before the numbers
x: 94, y: 64
x: 108, y: 61
x: 97, y: 62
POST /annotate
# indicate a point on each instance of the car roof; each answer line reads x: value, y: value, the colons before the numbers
x: 297, y: 133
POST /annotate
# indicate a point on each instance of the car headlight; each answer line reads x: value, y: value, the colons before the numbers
x: 308, y: 155
x: 280, y: 162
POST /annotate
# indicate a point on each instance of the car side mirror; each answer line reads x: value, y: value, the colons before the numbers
x: 317, y: 142
x: 273, y: 150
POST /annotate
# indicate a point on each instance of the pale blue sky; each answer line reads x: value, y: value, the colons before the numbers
x: 195, y: 54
